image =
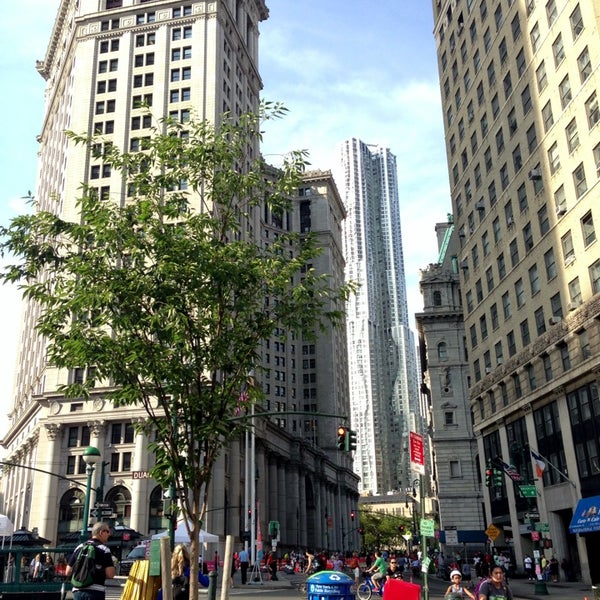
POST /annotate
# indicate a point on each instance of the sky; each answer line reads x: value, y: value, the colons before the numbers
x: 343, y: 68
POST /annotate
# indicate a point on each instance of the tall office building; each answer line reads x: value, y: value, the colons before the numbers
x: 114, y: 68
x: 381, y: 357
x: 520, y: 87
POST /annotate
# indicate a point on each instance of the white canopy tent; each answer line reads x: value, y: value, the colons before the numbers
x: 182, y: 536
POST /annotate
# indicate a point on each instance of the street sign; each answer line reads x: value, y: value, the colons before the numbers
x: 452, y: 537
x: 427, y: 527
x: 102, y: 505
x: 532, y: 515
x: 492, y: 532
x: 543, y: 527
x: 528, y: 491
x: 99, y: 513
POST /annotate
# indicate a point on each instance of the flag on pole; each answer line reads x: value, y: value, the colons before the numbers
x: 511, y: 471
x: 540, y: 464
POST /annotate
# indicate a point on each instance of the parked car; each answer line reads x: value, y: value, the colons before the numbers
x: 138, y: 553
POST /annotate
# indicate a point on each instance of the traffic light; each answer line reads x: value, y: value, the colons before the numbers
x: 361, y: 531
x: 342, y: 434
x: 350, y: 440
x: 401, y: 529
x: 352, y: 515
x: 489, y: 476
x: 498, y: 478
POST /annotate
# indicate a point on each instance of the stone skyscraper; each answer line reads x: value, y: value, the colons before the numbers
x: 520, y: 91
x: 115, y: 68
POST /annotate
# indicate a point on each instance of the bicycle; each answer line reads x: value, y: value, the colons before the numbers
x: 367, y: 588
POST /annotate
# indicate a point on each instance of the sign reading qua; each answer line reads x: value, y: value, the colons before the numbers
x: 586, y: 517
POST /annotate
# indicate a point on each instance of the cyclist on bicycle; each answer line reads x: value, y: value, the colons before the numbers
x: 379, y: 569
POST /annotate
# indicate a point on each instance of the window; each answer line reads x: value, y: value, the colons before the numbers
x: 575, y: 291
x: 584, y: 343
x: 521, y: 64
x: 592, y: 110
x: 551, y: 12
x: 565, y: 358
x: 517, y: 385
x: 553, y: 158
x: 494, y: 316
x: 520, y: 292
x: 584, y: 64
x: 534, y: 36
x: 483, y: 327
x: 572, y: 136
x: 541, y: 77
x: 558, y: 50
x: 517, y: 158
x: 498, y: 17
x: 540, y: 321
x: 547, y: 366
x: 511, y: 343
x: 550, y: 264
x: 487, y: 39
x: 512, y: 121
x: 534, y: 279
x: 479, y: 290
x: 515, y: 27
x: 531, y: 138
x: 501, y: 265
x: 530, y: 373
x: 507, y: 84
x: 556, y: 306
x: 576, y: 22
x: 499, y: 141
x: 587, y: 229
x: 514, y: 253
x: 595, y: 276
x: 560, y: 201
x: 526, y: 100
x: 506, y: 307
x: 489, y: 277
x: 547, y: 116
x: 543, y: 220
x: 564, y: 91
x: 495, y: 105
x: 528, y: 237
x: 497, y: 230
x: 579, y: 181
x: 487, y: 158
x: 473, y: 334
x: 502, y: 51
x: 567, y: 248
x: 504, y: 179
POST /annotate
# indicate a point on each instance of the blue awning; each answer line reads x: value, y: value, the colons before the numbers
x: 466, y: 536
x: 586, y: 517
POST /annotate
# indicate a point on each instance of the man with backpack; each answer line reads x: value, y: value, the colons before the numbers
x: 91, y: 565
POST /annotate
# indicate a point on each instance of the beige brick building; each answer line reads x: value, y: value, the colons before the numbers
x: 115, y: 67
x: 520, y: 84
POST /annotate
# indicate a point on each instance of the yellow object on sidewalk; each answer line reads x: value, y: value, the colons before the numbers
x: 140, y: 585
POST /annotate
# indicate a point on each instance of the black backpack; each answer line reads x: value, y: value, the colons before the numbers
x: 82, y: 574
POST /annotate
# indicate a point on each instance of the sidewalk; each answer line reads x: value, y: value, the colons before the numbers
x: 521, y: 588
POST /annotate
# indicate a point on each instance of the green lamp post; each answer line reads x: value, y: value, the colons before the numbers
x: 91, y: 456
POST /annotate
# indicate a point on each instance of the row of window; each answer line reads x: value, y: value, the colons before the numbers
x: 543, y: 370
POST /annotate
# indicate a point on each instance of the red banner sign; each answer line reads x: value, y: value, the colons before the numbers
x: 417, y: 451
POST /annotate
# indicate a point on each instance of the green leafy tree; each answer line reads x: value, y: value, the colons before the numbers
x: 382, y: 531
x: 166, y: 295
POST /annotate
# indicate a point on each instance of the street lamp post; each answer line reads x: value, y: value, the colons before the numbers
x: 91, y: 456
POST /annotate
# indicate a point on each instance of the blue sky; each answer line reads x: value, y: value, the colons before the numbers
x: 343, y: 68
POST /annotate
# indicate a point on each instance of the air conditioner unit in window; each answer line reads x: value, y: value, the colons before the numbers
x: 561, y: 210
x: 535, y: 174
x: 488, y: 370
x: 510, y: 221
x: 570, y: 259
x: 554, y: 320
x: 464, y: 264
x: 573, y: 305
x: 480, y: 205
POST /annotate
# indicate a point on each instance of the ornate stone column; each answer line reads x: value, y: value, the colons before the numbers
x: 48, y: 516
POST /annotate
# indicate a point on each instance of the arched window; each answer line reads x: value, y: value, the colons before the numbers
x: 120, y: 500
x: 437, y: 298
x: 442, y: 350
x: 156, y: 520
x: 70, y: 512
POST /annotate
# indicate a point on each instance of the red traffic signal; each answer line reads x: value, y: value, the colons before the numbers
x: 352, y: 515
